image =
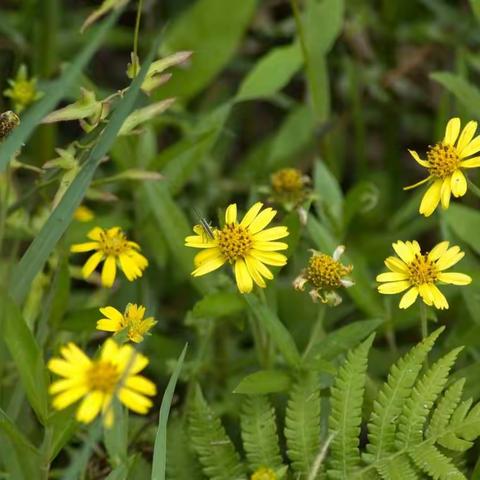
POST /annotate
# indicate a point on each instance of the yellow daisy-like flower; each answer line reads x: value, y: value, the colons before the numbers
x: 247, y: 245
x: 419, y: 273
x: 112, y: 246
x: 264, y: 473
x: 445, y: 163
x: 23, y: 91
x: 132, y: 320
x: 113, y: 375
x: 83, y: 214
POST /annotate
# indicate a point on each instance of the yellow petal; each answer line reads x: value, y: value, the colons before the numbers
x: 471, y: 149
x: 112, y: 313
x: 91, y: 264
x: 129, y: 267
x: 396, y: 265
x: 415, y: 155
x: 270, y: 246
x: 431, y: 198
x: 458, y: 183
x: 426, y: 293
x: 262, y: 220
x: 110, y: 350
x: 473, y: 162
x: 206, y: 256
x: 199, y: 241
x: 450, y: 258
x: 108, y: 325
x: 75, y: 355
x: 404, y: 251
x: 209, y: 266
x: 393, y: 287
x: 415, y: 246
x: 445, y: 193
x: 261, y: 268
x: 231, y: 214
x: 438, y: 250
x: 135, y: 401
x: 455, y: 278
x: 68, y: 397
x: 452, y: 131
x: 84, y: 247
x: 421, y: 182
x: 90, y: 407
x: 273, y: 233
x: 466, y: 136
x: 409, y: 298
x: 243, y: 277
x: 439, y: 299
x: 109, y: 271
x: 141, y: 384
x: 65, y: 384
x: 251, y: 214
x: 95, y: 233
x: 270, y: 258
x: 257, y: 278
x: 391, y: 277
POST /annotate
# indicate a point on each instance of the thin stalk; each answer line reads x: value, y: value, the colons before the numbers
x: 474, y: 188
x: 46, y: 453
x: 136, y: 34
x: 318, y: 331
x: 266, y: 345
x: 424, y: 324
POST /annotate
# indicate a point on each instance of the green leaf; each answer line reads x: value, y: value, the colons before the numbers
x: 215, y: 25
x: 475, y: 4
x: 160, y: 447
x: 278, y: 332
x: 271, y: 73
x: 44, y: 243
x: 19, y: 440
x: 63, y: 425
x: 263, y: 382
x: 328, y: 190
x: 219, y: 304
x: 26, y: 354
x: 116, y: 437
x: 430, y: 460
x: 465, y: 223
x: 54, y: 93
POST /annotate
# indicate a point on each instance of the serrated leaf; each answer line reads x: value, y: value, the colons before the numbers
x: 263, y: 382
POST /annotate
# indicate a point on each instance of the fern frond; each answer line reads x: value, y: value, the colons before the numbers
x: 181, y: 461
x: 391, y: 399
x: 418, y: 406
x: 437, y: 465
x: 346, y: 413
x: 397, y: 468
x: 259, y: 433
x: 214, y: 448
x: 302, y: 424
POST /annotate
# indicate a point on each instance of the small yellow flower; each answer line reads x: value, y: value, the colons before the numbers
x: 23, y: 91
x: 113, y: 375
x: 112, y: 246
x: 326, y: 274
x: 419, y: 273
x: 83, y: 214
x: 445, y: 163
x: 263, y: 473
x: 289, y: 187
x: 8, y: 121
x: 132, y: 320
x: 247, y: 245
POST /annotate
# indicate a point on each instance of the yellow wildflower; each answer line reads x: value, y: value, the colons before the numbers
x: 326, y: 274
x: 83, y: 214
x: 289, y: 187
x: 263, y: 473
x: 419, y: 273
x: 247, y: 245
x: 112, y: 246
x: 23, y: 91
x: 445, y: 163
x: 113, y: 375
x: 132, y: 320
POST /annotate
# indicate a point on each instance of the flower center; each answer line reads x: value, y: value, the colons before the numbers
x: 287, y: 180
x: 264, y: 474
x: 24, y: 92
x: 443, y: 160
x: 102, y: 376
x: 114, y: 245
x: 422, y: 270
x: 325, y: 272
x: 234, y: 241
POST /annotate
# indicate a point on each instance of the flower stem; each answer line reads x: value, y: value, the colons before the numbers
x: 474, y: 188
x: 135, y: 36
x: 317, y: 332
x: 424, y: 324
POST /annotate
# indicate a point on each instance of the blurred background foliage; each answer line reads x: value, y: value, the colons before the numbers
x: 337, y: 89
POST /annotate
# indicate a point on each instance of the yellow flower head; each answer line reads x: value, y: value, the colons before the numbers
x: 23, y: 91
x: 132, y: 320
x: 326, y: 274
x: 288, y: 186
x: 113, y: 375
x: 247, y: 245
x: 445, y: 163
x: 112, y: 246
x: 8, y: 121
x: 263, y: 473
x: 418, y: 273
x: 83, y: 214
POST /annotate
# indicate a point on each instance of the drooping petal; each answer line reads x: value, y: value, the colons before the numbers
x: 417, y: 158
x: 409, y: 298
x: 393, y: 287
x: 112, y: 313
x: 445, y: 193
x: 273, y: 233
x: 90, y: 407
x: 231, y: 214
x: 391, y: 277
x: 262, y: 220
x: 458, y: 183
x: 84, y: 247
x: 421, y: 182
x: 467, y: 134
x: 243, y: 277
x: 438, y: 250
x: 452, y: 131
x: 109, y: 271
x: 251, y: 214
x: 91, y: 264
x: 209, y: 266
x: 431, y: 198
x: 455, y: 278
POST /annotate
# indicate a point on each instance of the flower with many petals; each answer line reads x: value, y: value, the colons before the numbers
x: 113, y: 375
x: 247, y: 245
x: 419, y: 273
x: 445, y: 163
x: 131, y: 320
x: 112, y: 247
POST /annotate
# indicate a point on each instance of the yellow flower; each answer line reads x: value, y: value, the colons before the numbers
x: 289, y: 187
x: 419, y: 273
x: 263, y: 473
x: 111, y: 246
x: 23, y: 91
x: 132, y: 320
x: 326, y: 274
x: 247, y: 245
x: 445, y: 163
x: 113, y: 375
x: 83, y: 214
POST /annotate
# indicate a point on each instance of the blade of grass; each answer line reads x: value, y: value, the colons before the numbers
x: 160, y: 448
x: 53, y: 94
x: 21, y: 442
x: 37, y: 253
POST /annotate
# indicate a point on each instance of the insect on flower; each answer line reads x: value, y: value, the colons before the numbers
x: 205, y: 225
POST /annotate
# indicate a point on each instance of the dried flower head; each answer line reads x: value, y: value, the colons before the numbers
x: 8, y: 121
x: 289, y: 187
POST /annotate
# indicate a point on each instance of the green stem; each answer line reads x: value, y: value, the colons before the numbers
x: 423, y: 320
x: 318, y: 331
x: 474, y: 189
x: 136, y: 34
x: 46, y: 453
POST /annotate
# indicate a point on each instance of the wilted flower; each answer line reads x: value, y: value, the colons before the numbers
x: 23, y: 91
x: 289, y: 187
x: 420, y: 273
x: 8, y: 121
x: 326, y: 274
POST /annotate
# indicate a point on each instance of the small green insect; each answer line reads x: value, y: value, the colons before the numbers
x: 205, y: 225
x: 8, y: 121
